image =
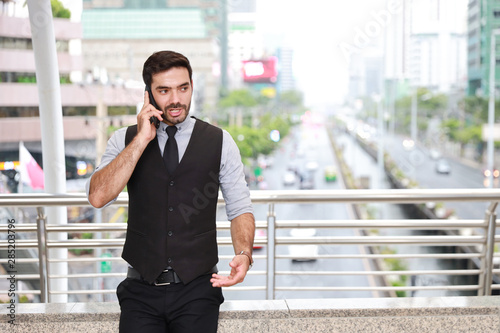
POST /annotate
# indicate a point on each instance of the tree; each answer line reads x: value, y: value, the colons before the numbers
x: 291, y: 98
x: 58, y: 9
x: 458, y: 132
x: 241, y: 97
x: 428, y: 106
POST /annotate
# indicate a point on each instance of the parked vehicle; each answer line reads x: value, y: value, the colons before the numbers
x: 487, y: 173
x: 303, y: 252
x: 330, y: 173
x: 289, y: 178
x: 443, y: 166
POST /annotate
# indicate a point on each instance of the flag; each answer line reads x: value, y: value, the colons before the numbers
x: 30, y: 172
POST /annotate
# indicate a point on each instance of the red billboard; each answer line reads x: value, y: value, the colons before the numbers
x: 260, y: 71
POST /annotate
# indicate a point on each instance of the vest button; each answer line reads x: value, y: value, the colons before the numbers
x: 169, y: 260
x: 170, y: 233
x: 170, y: 209
x: 171, y: 183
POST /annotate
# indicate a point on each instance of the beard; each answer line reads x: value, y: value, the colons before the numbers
x: 178, y: 119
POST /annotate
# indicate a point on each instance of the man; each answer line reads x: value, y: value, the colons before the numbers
x: 171, y: 284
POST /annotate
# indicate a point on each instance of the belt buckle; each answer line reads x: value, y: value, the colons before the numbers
x: 164, y: 283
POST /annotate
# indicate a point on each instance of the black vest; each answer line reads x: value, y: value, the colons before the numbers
x: 172, y: 218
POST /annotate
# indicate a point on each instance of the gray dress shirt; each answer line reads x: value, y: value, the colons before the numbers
x: 231, y: 176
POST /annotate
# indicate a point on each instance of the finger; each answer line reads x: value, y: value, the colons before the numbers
x: 218, y: 282
x: 223, y: 283
x: 146, y: 97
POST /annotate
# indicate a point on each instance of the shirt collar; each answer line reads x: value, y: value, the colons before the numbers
x: 181, y: 127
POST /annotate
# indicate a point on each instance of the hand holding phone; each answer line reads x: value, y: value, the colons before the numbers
x: 153, y: 120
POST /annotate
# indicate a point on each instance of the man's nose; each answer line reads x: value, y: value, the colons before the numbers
x: 175, y: 97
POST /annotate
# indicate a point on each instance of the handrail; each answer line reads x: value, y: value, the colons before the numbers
x: 289, y: 196
x: 480, y: 245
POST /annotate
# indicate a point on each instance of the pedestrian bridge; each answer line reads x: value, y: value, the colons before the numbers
x: 42, y: 261
x: 420, y: 314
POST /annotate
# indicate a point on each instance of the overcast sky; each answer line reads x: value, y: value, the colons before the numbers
x: 316, y: 29
x: 315, y: 32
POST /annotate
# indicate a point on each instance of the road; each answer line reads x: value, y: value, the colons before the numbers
x: 362, y: 164
x: 307, y: 143
x: 418, y: 164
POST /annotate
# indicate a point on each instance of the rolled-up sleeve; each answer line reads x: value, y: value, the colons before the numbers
x: 114, y: 147
x: 232, y: 180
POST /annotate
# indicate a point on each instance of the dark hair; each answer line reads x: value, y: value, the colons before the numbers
x: 162, y: 61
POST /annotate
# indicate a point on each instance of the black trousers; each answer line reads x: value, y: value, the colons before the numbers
x: 175, y: 308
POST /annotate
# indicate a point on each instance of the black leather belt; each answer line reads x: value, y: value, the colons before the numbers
x: 168, y: 276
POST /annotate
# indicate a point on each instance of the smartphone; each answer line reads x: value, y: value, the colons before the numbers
x: 153, y: 120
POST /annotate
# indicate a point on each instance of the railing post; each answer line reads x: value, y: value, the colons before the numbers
x: 271, y: 251
x: 491, y: 216
x: 41, y: 222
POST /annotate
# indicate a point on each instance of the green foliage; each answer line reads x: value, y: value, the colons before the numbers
x: 111, y: 129
x: 291, y: 98
x: 26, y: 79
x: 457, y: 131
x: 87, y: 235
x: 472, y: 134
x: 79, y: 252
x: 241, y: 97
x: 253, y: 142
x: 395, y: 264
x: 24, y: 299
x: 475, y: 108
x: 399, y: 293
x: 426, y: 100
x: 58, y: 10
x: 451, y: 127
x: 64, y: 80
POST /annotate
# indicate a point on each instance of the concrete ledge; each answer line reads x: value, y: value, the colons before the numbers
x: 440, y: 314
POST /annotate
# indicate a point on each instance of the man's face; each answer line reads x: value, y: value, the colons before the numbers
x: 172, y: 91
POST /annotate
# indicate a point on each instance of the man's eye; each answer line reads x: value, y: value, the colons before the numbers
x: 163, y: 91
x: 184, y: 88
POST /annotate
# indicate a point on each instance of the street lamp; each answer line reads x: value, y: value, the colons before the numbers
x: 380, y: 150
x: 414, y: 105
x: 414, y: 110
x: 491, y: 105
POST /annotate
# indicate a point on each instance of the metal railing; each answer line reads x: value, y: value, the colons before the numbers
x: 472, y: 241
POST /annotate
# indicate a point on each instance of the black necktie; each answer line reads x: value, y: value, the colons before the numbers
x: 171, y: 153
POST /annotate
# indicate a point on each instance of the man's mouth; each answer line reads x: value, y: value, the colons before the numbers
x: 175, y: 112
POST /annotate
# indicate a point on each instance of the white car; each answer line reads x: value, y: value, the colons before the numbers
x: 303, y: 252
x: 289, y: 178
x: 443, y: 166
x: 408, y: 144
x: 312, y: 166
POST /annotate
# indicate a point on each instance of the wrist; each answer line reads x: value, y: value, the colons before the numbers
x: 248, y: 255
x: 140, y: 142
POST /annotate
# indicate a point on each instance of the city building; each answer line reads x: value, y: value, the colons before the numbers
x: 483, y: 18
x: 366, y: 74
x: 425, y: 46
x: 116, y: 41
x: 286, y: 77
x: 100, y: 60
x: 244, y: 43
x: 437, y: 45
x: 19, y: 100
